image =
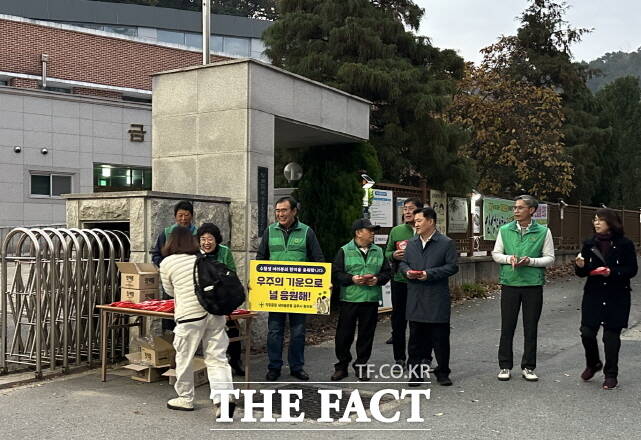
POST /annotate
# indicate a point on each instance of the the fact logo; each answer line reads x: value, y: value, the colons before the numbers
x: 329, y: 399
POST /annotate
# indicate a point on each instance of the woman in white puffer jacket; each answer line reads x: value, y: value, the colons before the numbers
x: 193, y: 325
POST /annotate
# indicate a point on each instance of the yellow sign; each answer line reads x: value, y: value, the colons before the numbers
x: 290, y: 286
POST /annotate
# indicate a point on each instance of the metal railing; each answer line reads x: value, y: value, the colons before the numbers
x: 52, y: 279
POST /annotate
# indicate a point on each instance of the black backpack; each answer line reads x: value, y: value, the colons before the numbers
x: 218, y: 289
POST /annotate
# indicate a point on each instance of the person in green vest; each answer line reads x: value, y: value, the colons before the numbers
x: 523, y: 249
x: 287, y: 239
x: 183, y: 214
x: 210, y: 241
x: 395, y: 251
x: 360, y: 269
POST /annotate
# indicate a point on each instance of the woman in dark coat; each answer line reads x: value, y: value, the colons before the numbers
x: 608, y: 260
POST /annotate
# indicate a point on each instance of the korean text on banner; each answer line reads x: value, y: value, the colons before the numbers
x: 382, y: 210
x: 457, y: 215
x: 291, y: 287
x: 496, y: 213
x: 438, y: 201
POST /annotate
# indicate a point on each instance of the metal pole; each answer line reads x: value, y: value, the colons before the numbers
x: 206, y: 30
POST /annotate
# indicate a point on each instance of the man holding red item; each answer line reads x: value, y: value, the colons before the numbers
x: 360, y: 269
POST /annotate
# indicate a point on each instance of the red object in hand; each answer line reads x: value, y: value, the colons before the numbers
x: 401, y: 245
x: 603, y: 271
x: 367, y: 276
x: 415, y: 272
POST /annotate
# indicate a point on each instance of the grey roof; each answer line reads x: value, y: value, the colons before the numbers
x: 106, y: 13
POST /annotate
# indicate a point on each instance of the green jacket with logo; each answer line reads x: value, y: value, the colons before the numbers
x: 295, y: 249
x: 223, y: 255
x: 357, y: 264
x: 398, y: 233
x: 528, y: 244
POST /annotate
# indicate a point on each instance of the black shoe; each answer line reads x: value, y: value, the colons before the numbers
x: 236, y: 368
x: 390, y: 340
x: 589, y: 372
x: 300, y: 374
x: 272, y: 375
x: 339, y: 375
x: 444, y: 380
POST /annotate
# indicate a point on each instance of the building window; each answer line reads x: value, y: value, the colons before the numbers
x: 4, y: 82
x: 121, y: 178
x: 57, y: 89
x: 171, y: 36
x: 122, y: 30
x: 236, y: 46
x: 50, y: 185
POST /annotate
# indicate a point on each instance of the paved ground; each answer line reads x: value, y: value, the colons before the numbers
x: 560, y: 405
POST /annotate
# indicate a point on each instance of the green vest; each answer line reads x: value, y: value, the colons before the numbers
x: 529, y: 244
x: 169, y: 230
x: 225, y: 256
x: 355, y: 264
x: 295, y: 249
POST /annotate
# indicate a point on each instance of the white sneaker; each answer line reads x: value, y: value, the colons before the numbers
x: 504, y: 374
x: 529, y: 375
x: 180, y: 404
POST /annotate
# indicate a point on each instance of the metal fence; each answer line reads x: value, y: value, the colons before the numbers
x: 570, y: 224
x: 52, y: 279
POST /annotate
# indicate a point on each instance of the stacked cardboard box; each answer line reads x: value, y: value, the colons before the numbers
x: 155, y: 356
x: 138, y: 282
x: 200, y: 372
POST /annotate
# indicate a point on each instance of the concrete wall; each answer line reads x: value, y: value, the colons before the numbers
x: 76, y: 131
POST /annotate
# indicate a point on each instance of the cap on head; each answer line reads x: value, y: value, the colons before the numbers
x: 364, y: 223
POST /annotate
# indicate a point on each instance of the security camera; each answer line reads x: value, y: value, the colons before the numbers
x: 17, y: 149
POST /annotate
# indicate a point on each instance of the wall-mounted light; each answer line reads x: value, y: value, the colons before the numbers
x: 17, y: 149
x: 476, y: 196
x: 44, y: 151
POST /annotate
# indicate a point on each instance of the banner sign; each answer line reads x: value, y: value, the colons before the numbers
x: 382, y: 210
x: 290, y: 287
x: 541, y: 214
x: 438, y: 201
x: 496, y: 213
x: 457, y: 215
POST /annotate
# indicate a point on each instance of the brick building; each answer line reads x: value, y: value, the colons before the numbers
x: 75, y: 94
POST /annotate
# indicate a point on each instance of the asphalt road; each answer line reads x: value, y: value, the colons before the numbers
x: 559, y: 406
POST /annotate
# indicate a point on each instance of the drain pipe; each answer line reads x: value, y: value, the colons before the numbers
x: 44, y: 58
x: 206, y: 30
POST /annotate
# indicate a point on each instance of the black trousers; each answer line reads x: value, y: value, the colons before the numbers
x: 427, y: 335
x: 611, y: 347
x: 530, y: 298
x: 365, y: 314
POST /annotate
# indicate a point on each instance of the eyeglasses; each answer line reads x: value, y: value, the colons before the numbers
x: 207, y: 240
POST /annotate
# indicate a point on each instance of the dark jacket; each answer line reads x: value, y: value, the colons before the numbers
x: 606, y: 300
x: 314, y: 252
x: 342, y: 278
x: 429, y: 300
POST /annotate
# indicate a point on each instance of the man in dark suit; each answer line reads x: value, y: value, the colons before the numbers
x: 430, y: 259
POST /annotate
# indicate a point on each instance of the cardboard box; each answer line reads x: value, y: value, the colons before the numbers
x: 157, y: 353
x: 144, y: 373
x: 141, y: 276
x: 200, y: 372
x: 138, y: 296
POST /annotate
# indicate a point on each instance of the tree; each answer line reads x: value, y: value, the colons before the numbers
x: 540, y: 54
x: 363, y: 48
x: 614, y: 65
x: 620, y: 103
x: 516, y: 134
x: 330, y: 191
